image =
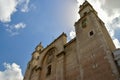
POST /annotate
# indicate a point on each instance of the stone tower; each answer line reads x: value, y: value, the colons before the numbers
x: 89, y: 56
x: 94, y: 47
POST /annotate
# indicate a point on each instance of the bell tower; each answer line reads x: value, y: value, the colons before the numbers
x: 94, y: 46
x: 91, y: 26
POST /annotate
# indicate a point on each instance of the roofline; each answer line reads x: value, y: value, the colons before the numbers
x: 70, y: 42
x: 63, y: 34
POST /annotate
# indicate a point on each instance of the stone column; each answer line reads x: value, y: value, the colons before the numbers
x: 60, y: 66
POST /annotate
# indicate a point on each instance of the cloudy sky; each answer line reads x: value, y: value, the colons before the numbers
x: 26, y: 23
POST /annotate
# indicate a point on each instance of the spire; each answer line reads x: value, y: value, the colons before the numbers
x: 85, y: 1
x: 39, y: 47
x: 40, y: 43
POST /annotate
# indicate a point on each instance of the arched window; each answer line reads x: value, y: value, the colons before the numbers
x: 50, y: 55
x: 84, y: 23
x: 48, y: 70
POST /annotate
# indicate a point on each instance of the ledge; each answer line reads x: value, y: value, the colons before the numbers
x: 60, y: 54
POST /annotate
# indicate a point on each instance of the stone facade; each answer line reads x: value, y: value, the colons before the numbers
x: 89, y: 56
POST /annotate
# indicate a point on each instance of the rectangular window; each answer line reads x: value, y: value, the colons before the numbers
x: 91, y: 33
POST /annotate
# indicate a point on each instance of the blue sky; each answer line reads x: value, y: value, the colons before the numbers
x: 26, y: 23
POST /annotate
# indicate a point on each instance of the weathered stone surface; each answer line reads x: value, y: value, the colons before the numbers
x: 87, y: 57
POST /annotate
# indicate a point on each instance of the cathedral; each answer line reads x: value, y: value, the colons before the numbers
x: 91, y: 55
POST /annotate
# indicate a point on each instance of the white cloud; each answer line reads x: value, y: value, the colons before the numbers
x: 25, y: 5
x: 20, y: 26
x: 116, y: 22
x: 117, y: 43
x: 80, y: 2
x: 14, y: 29
x: 72, y: 34
x: 9, y: 7
x: 112, y: 7
x: 12, y: 33
x: 11, y: 72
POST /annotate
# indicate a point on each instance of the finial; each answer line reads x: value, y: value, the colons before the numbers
x: 39, y: 47
x: 40, y: 43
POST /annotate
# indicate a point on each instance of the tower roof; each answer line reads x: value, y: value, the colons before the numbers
x: 86, y: 7
x: 85, y: 3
